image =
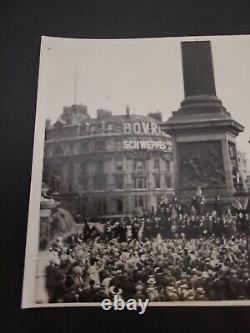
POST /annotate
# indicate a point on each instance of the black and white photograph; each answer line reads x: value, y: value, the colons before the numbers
x: 141, y: 174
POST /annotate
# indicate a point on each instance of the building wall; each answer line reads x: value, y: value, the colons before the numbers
x: 96, y: 176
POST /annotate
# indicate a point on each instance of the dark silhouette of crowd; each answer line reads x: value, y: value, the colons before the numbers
x: 174, y: 253
x: 172, y: 219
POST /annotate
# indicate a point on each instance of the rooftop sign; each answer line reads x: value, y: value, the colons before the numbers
x: 142, y: 127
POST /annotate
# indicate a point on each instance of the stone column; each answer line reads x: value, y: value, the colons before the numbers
x: 201, y: 130
x: 198, y: 70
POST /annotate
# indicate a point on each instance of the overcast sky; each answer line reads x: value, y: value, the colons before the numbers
x: 145, y: 74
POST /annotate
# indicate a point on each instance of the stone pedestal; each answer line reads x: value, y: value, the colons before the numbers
x: 203, y: 132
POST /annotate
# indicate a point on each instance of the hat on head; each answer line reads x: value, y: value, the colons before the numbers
x: 71, y: 260
x: 205, y: 274
x: 151, y: 280
x: 77, y: 270
x: 64, y: 257
x: 190, y: 294
x: 183, y: 286
x: 139, y: 287
x: 158, y: 270
x: 118, y: 271
x: 233, y: 271
x: 200, y: 291
x: 150, y: 288
x: 53, y: 259
x: 115, y: 290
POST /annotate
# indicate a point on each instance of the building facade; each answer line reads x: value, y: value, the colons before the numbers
x: 113, y: 165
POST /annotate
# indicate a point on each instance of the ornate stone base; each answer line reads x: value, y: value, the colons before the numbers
x: 204, y: 147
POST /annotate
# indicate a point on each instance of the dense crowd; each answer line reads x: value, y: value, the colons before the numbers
x: 174, y: 253
x: 172, y: 220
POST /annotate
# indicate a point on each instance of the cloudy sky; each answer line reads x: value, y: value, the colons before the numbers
x: 145, y: 74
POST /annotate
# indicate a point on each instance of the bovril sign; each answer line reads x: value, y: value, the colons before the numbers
x: 144, y: 128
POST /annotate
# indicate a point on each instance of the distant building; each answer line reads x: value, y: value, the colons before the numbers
x: 113, y: 165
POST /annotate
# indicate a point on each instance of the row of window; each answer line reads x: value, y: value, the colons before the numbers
x: 139, y: 183
x: 139, y: 166
x: 86, y: 129
x: 100, y: 204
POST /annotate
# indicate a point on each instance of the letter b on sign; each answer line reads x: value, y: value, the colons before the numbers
x: 127, y: 128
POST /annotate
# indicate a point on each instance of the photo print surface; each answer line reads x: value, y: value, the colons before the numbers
x: 141, y: 178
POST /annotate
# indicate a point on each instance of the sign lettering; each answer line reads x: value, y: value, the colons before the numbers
x: 143, y: 127
x: 146, y: 145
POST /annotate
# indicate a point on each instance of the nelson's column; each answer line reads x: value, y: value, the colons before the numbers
x: 203, y: 132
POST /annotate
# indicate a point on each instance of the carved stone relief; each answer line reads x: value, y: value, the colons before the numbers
x: 200, y: 164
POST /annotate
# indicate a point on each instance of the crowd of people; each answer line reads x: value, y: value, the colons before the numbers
x: 171, y: 220
x: 174, y: 253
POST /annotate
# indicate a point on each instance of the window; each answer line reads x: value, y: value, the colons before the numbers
x: 168, y: 181
x: 104, y: 206
x: 84, y: 167
x: 140, y: 182
x: 84, y: 183
x: 140, y: 201
x: 82, y: 130
x: 119, y: 206
x: 55, y: 183
x: 108, y: 128
x: 167, y: 165
x: 157, y: 164
x: 119, y: 165
x: 139, y: 165
x: 100, y: 145
x: 93, y: 129
x: 71, y: 148
x: 99, y: 167
x: 58, y: 151
x: 100, y: 206
x: 70, y: 185
x: 71, y: 170
x: 100, y: 183
x: 158, y: 199
x: 157, y: 181
x: 84, y: 147
x: 119, y: 182
x: 46, y: 174
x: 100, y: 127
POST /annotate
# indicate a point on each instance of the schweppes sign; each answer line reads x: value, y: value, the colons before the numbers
x: 146, y: 145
